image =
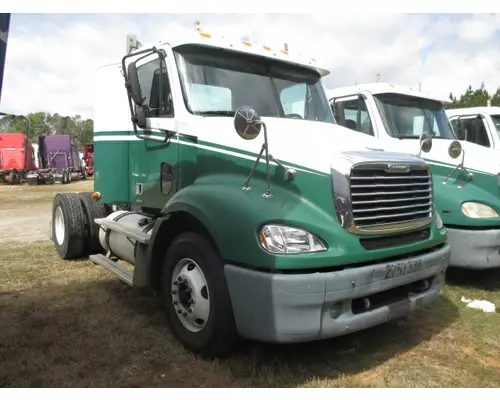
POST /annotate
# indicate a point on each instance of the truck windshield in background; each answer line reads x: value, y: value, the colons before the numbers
x: 407, y: 117
x: 218, y: 82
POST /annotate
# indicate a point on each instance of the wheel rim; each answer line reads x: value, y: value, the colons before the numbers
x: 190, y: 296
x: 59, y: 225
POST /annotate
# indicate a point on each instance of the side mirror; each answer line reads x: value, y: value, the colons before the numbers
x: 133, y: 84
x: 140, y: 117
x: 455, y: 149
x: 247, y: 123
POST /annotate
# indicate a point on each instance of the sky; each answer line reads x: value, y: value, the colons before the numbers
x: 51, y: 57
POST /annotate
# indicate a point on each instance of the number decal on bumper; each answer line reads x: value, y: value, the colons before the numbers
x: 402, y: 268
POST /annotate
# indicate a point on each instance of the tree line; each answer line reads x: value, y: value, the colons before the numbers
x: 42, y: 124
x: 474, y: 98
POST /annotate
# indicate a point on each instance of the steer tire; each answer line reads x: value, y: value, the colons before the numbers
x: 219, y: 335
x: 72, y: 227
x: 93, y: 209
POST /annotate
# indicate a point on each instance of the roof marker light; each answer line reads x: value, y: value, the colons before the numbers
x: 267, y: 48
x: 206, y: 35
x: 246, y: 43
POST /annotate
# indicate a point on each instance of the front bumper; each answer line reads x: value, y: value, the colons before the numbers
x: 474, y: 249
x: 306, y: 307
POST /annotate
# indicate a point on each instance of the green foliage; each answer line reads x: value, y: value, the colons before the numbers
x: 474, y: 98
x: 51, y: 124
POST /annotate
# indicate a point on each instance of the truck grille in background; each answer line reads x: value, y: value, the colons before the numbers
x: 381, y: 198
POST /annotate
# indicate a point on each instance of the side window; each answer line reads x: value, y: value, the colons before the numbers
x: 473, y: 130
x: 293, y: 100
x: 149, y: 79
x: 456, y: 128
x: 354, y: 115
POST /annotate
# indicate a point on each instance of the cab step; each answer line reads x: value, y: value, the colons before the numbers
x: 121, y: 272
x: 139, y: 236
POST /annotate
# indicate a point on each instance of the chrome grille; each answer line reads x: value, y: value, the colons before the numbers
x: 382, y: 199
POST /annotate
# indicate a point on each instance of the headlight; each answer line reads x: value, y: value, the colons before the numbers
x: 439, y: 221
x: 280, y: 239
x: 478, y: 210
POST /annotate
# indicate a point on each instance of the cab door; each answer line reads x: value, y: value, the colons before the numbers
x: 154, y: 165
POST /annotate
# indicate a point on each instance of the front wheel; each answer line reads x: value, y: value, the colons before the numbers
x: 197, y: 298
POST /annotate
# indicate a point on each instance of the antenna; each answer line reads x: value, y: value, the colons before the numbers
x: 488, y: 103
x: 132, y: 43
x: 377, y: 77
x: 285, y: 46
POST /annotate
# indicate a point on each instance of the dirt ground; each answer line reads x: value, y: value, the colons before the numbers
x: 74, y: 324
x: 25, y: 211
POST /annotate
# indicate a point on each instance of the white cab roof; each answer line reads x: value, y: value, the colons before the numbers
x: 206, y: 39
x: 473, y: 110
x: 382, y: 87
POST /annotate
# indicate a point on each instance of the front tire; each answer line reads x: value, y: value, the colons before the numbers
x: 196, y: 296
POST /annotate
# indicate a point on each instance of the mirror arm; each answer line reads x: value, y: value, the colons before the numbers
x: 290, y: 172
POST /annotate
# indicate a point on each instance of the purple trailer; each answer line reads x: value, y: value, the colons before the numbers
x: 59, y: 161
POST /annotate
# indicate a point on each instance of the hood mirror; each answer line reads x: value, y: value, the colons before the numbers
x: 247, y: 123
x: 455, y: 149
x: 425, y: 143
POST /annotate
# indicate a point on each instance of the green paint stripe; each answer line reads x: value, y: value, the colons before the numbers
x: 215, y: 147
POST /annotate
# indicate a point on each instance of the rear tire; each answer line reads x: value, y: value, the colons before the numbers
x: 217, y: 336
x: 68, y: 225
x: 93, y: 209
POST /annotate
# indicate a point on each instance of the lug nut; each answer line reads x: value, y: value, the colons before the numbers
x: 174, y: 291
x: 185, y: 314
x: 191, y: 301
x: 176, y: 283
x: 190, y: 310
x: 188, y: 289
x: 179, y: 311
x: 175, y: 302
x: 179, y: 279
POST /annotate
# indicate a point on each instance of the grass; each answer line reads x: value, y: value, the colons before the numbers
x: 73, y: 324
x: 21, y: 196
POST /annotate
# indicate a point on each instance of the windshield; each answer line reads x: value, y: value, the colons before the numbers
x: 406, y: 117
x: 496, y: 122
x: 218, y: 82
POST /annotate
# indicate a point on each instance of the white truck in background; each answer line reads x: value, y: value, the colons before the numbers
x: 479, y: 125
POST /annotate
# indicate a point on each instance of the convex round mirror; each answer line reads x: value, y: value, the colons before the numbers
x: 426, y: 142
x: 455, y: 149
x: 247, y: 123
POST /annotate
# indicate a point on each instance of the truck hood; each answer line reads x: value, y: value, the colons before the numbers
x: 477, y: 158
x: 309, y: 144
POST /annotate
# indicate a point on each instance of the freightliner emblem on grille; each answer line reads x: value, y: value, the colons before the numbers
x: 397, y: 168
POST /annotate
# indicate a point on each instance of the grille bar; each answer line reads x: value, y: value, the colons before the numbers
x: 366, y: 210
x: 389, y: 185
x: 381, y: 198
x: 393, y: 200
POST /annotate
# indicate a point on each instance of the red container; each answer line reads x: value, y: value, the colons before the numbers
x: 16, y: 152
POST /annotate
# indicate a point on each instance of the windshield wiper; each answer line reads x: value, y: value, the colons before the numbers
x: 217, y: 113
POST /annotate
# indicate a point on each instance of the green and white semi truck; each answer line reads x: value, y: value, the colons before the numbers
x: 222, y: 179
x: 466, y: 176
